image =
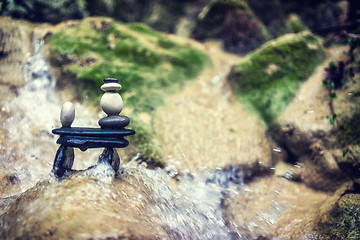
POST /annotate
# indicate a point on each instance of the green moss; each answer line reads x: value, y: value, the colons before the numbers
x: 343, y: 221
x: 148, y: 65
x: 268, y: 78
x: 295, y: 27
x: 166, y: 43
x: 144, y: 139
x: 143, y: 29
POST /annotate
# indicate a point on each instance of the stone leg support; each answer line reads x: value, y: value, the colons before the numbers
x: 110, y: 156
x: 64, y: 160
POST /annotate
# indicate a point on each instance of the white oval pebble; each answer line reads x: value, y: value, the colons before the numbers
x: 67, y: 114
x: 111, y: 87
x: 111, y: 103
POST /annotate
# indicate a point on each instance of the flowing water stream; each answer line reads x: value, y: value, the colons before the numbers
x: 193, y: 209
x: 32, y: 115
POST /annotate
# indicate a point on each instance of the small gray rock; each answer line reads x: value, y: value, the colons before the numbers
x: 111, y: 103
x: 114, y: 122
x: 111, y: 80
x: 111, y: 87
x: 67, y: 114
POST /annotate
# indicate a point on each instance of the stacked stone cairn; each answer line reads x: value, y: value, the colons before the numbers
x: 112, y: 104
x: 109, y: 136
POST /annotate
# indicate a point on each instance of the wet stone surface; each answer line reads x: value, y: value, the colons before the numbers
x: 114, y: 122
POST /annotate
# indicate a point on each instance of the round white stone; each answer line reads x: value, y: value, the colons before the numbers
x: 111, y: 103
x: 67, y: 114
x: 111, y: 87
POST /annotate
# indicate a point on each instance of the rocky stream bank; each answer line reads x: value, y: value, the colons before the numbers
x: 226, y: 172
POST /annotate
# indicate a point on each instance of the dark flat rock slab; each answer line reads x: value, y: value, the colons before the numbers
x: 85, y: 142
x: 93, y: 132
x: 114, y: 122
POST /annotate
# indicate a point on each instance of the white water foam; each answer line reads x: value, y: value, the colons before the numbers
x: 192, y: 209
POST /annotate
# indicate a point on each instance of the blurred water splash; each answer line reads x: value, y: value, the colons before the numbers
x: 191, y: 207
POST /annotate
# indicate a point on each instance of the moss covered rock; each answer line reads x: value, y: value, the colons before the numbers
x: 149, y: 65
x: 267, y: 79
x: 234, y: 23
x: 343, y: 221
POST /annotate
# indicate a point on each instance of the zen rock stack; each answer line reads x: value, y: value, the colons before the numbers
x: 109, y: 136
x: 112, y: 104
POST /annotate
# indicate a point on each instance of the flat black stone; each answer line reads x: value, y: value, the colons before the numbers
x: 85, y: 142
x: 110, y: 80
x: 114, y: 122
x: 93, y: 132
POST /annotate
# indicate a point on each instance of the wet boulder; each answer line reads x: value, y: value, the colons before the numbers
x: 316, y: 162
x: 234, y: 23
x: 91, y: 204
x: 267, y: 79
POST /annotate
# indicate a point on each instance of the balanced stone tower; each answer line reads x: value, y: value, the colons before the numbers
x: 109, y: 136
x: 112, y: 104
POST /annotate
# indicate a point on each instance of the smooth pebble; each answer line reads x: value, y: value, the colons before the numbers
x: 111, y: 103
x: 110, y: 87
x: 67, y: 114
x: 114, y: 122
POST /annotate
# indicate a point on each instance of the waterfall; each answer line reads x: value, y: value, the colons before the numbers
x: 30, y: 146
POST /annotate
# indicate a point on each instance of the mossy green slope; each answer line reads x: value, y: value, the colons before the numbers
x: 267, y: 79
x: 148, y: 64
